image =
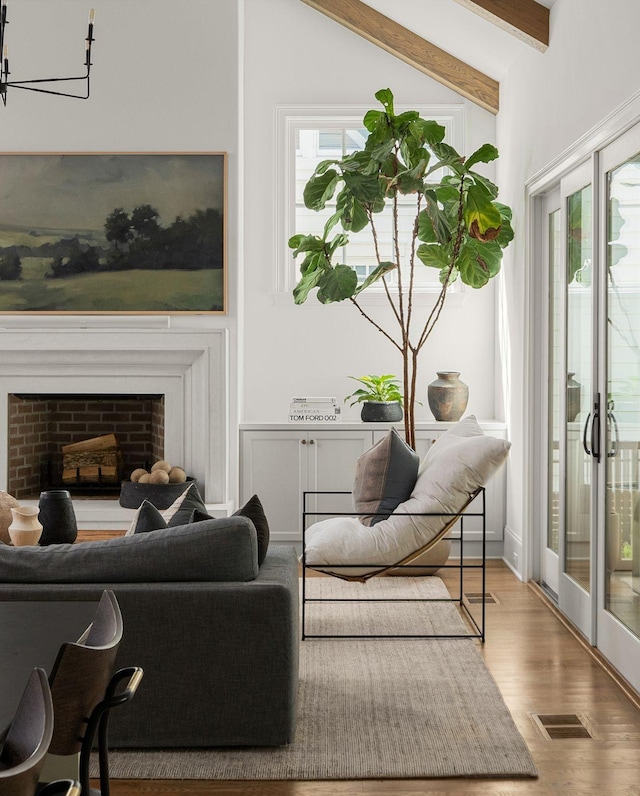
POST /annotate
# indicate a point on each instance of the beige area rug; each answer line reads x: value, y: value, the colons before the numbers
x: 369, y: 708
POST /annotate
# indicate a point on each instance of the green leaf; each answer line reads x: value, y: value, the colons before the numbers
x: 483, y: 182
x: 364, y: 188
x: 485, y: 154
x: 447, y: 193
x: 504, y: 210
x: 426, y: 232
x: 322, y: 167
x: 447, y: 156
x: 340, y: 240
x: 481, y: 216
x: 312, y: 262
x: 385, y: 96
x: 352, y: 213
x: 505, y: 236
x: 428, y: 130
x: 305, y: 286
x: 305, y: 243
x: 448, y: 275
x: 382, y: 151
x: 433, y: 255
x: 338, y: 283
x: 407, y: 184
x: 439, y: 218
x: 372, y: 119
x: 478, y: 262
x: 320, y: 189
x: 378, y: 272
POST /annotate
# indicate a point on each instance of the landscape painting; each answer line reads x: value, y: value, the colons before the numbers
x: 112, y: 233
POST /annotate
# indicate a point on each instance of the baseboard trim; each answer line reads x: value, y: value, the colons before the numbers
x: 627, y: 689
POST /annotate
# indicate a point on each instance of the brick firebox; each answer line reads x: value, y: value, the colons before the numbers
x: 39, y: 425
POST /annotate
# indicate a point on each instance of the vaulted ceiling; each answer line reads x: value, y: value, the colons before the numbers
x: 467, y: 45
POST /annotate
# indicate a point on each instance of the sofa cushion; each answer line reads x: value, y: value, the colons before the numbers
x: 385, y: 476
x: 213, y: 550
x: 254, y: 511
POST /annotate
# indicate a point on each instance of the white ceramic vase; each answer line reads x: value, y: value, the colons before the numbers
x: 25, y: 528
x: 7, y: 502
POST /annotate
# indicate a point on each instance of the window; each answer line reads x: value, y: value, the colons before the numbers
x: 308, y: 136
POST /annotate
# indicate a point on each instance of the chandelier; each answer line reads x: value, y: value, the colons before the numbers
x: 36, y: 85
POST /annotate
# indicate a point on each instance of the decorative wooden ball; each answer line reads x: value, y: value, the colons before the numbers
x: 177, y: 475
x: 161, y: 465
x: 144, y: 479
x: 136, y: 475
x: 159, y: 477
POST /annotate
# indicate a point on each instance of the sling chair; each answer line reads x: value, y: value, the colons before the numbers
x: 404, y: 509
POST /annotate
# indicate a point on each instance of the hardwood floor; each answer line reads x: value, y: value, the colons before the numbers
x: 540, y: 668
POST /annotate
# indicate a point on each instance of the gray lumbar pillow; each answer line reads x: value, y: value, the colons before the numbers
x: 385, y: 477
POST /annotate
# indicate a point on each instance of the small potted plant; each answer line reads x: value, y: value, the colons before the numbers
x: 380, y: 397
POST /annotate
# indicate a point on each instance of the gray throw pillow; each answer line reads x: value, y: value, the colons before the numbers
x: 254, y: 511
x: 385, y: 477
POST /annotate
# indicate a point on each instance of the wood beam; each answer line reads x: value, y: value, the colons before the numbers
x: 412, y: 49
x: 525, y: 19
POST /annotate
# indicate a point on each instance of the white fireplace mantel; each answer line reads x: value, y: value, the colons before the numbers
x: 189, y: 368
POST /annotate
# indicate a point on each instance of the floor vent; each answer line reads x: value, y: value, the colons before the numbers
x: 555, y: 726
x: 473, y: 597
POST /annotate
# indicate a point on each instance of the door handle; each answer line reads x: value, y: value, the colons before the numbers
x: 594, y: 416
x: 584, y: 435
x: 616, y: 436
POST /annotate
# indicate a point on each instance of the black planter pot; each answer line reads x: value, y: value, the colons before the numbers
x: 381, y: 411
x: 57, y: 517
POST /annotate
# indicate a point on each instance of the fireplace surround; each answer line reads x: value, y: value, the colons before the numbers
x: 188, y: 368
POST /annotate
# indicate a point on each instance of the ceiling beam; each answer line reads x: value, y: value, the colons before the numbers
x: 524, y: 19
x: 412, y: 49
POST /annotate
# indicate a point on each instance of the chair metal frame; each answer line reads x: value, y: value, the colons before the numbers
x: 98, y: 723
x: 477, y: 630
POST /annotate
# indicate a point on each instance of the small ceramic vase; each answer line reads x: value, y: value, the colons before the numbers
x: 447, y: 396
x: 57, y: 517
x: 25, y: 528
x: 7, y: 502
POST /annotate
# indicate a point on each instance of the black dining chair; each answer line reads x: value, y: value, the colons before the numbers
x: 84, y: 689
x: 24, y: 744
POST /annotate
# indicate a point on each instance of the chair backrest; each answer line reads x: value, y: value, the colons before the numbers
x: 81, y: 674
x: 27, y: 738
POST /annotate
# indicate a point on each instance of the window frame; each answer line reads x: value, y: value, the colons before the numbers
x: 290, y: 118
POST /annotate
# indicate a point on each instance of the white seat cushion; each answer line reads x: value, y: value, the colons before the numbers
x: 455, y: 467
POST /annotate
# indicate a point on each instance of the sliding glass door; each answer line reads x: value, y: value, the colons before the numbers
x: 590, y: 539
x: 619, y: 603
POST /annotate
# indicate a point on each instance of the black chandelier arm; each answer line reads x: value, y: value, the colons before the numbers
x: 49, y: 91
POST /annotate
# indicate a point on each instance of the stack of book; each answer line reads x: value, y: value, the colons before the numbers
x: 321, y: 409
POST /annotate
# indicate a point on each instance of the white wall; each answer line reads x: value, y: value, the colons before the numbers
x: 548, y: 101
x: 297, y: 56
x: 165, y: 78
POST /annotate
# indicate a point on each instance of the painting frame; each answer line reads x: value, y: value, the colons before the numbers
x: 113, y: 233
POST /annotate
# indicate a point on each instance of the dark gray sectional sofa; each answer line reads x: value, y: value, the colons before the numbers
x: 216, y: 635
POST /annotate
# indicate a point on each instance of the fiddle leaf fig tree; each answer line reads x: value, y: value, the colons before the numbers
x: 459, y: 227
